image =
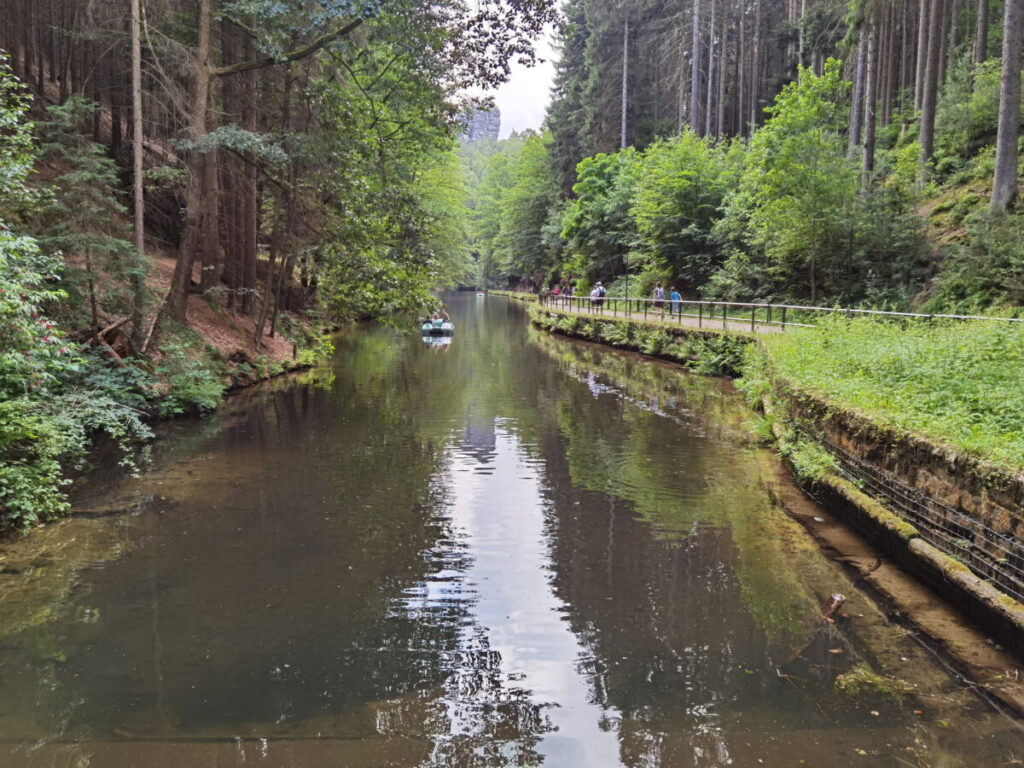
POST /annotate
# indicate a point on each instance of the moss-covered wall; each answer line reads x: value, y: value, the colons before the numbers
x: 716, y: 353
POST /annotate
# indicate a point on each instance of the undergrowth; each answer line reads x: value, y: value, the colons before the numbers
x: 712, y: 354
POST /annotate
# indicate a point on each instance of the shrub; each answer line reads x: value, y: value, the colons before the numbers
x: 192, y: 381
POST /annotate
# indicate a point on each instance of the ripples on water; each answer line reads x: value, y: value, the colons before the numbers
x: 511, y: 550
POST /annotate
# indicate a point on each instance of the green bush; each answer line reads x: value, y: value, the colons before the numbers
x: 985, y: 270
x: 192, y: 380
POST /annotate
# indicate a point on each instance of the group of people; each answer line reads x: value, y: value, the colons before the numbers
x: 675, y: 299
x: 438, y: 319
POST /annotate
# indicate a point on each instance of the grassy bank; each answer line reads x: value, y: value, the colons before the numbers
x: 953, y: 383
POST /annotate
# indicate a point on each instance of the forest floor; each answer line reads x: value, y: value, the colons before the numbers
x: 229, y: 333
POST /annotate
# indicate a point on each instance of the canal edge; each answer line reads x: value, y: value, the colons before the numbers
x: 956, y: 589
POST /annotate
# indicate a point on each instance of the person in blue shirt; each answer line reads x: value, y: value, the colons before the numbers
x: 675, y: 298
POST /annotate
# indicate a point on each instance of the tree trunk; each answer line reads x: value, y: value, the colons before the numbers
x: 981, y: 32
x: 213, y: 257
x: 625, y: 83
x: 268, y: 283
x: 138, y: 194
x: 889, y: 57
x: 923, y: 22
x: 857, y: 108
x: 926, y: 134
x: 1004, y: 184
x: 755, y: 67
x: 91, y: 282
x: 250, y: 199
x: 695, y: 70
x: 870, y: 99
x: 904, y: 58
x: 709, y: 101
x: 722, y: 53
x: 177, y: 298
x: 740, y: 71
x: 800, y: 33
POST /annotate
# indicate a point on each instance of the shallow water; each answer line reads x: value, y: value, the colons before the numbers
x: 513, y: 550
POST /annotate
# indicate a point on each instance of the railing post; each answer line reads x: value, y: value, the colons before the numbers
x: 753, y: 315
x: 783, y: 318
x: 769, y: 321
x: 700, y: 314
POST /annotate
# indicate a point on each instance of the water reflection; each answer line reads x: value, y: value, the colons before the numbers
x: 520, y: 552
x: 519, y: 697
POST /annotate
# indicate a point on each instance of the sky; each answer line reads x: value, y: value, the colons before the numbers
x: 525, y: 97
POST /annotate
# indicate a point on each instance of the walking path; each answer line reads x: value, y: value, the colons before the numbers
x: 646, y: 313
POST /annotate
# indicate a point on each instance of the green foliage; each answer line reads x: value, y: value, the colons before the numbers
x: 192, y: 378
x: 987, y: 268
x: 798, y: 227
x: 83, y: 220
x: 17, y: 199
x: 32, y: 349
x: 387, y: 240
x: 597, y: 225
x: 513, y: 196
x: 442, y: 199
x: 677, y: 201
x: 713, y: 354
x: 315, y: 349
x: 797, y: 187
x: 810, y: 461
x: 654, y: 341
x: 488, y: 170
x: 520, y: 246
x: 862, y: 681
x: 967, y: 113
x: 954, y: 382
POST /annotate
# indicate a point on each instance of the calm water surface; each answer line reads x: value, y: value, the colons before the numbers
x: 510, y: 551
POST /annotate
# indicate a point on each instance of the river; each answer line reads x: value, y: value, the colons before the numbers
x: 513, y: 550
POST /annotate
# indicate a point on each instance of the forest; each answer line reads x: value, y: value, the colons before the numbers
x: 193, y: 190
x: 845, y: 153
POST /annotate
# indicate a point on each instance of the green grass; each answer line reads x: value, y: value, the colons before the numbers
x: 960, y: 383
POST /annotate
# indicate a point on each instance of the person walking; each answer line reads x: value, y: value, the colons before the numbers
x: 676, y: 300
x: 659, y: 297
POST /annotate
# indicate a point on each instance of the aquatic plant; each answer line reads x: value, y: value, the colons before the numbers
x: 862, y: 681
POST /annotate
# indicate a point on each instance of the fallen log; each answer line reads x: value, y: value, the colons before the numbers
x: 98, y: 338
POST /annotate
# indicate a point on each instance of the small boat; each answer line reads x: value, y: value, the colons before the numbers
x: 440, y: 328
x: 480, y: 294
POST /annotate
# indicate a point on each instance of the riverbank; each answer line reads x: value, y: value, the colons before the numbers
x: 825, y: 444
x: 94, y: 388
x: 529, y: 298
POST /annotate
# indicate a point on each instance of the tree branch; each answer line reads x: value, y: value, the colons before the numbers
x: 297, y: 55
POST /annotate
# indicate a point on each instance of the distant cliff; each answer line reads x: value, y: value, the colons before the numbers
x: 482, y: 124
